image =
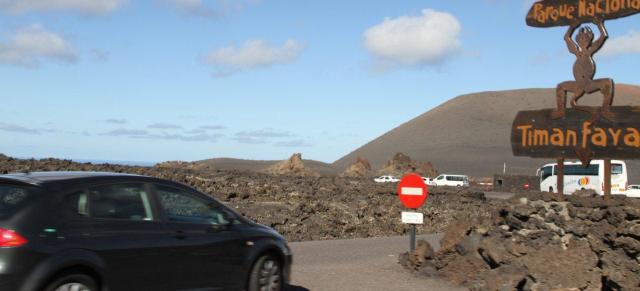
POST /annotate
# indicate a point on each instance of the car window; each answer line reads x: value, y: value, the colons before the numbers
x: 616, y: 169
x: 116, y: 201
x: 12, y: 199
x: 546, y: 172
x: 74, y: 205
x: 181, y: 206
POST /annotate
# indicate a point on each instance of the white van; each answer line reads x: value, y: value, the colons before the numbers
x: 451, y: 180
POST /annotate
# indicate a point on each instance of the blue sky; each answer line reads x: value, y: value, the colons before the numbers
x: 259, y: 79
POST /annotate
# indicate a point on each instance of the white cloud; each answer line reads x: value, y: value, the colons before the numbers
x: 83, y: 6
x: 264, y: 133
x: 193, y: 7
x: 212, y: 127
x: 253, y: 54
x: 296, y: 143
x: 127, y: 132
x: 427, y: 39
x: 162, y: 125
x: 30, y: 45
x: 622, y: 45
x: 18, y: 128
x: 210, y: 8
x: 115, y: 121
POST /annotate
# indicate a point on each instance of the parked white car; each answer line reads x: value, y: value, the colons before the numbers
x: 633, y: 191
x: 386, y: 179
x: 451, y: 180
x: 428, y: 181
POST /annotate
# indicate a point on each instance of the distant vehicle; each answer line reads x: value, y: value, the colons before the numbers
x: 633, y: 191
x: 451, y: 180
x: 386, y: 179
x: 428, y: 181
x: 84, y: 231
x: 577, y: 177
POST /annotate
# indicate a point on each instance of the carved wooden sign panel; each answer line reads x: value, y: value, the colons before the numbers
x: 549, y: 13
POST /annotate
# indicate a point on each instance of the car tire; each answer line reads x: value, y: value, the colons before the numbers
x: 551, y: 189
x: 266, y: 274
x: 75, y: 282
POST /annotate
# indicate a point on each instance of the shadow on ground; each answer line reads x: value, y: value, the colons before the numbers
x: 295, y: 288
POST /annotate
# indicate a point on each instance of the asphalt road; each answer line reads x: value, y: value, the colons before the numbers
x: 358, y: 264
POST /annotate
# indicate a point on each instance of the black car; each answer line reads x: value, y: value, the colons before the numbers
x: 109, y: 231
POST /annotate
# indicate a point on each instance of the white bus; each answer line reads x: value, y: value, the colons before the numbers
x: 577, y: 177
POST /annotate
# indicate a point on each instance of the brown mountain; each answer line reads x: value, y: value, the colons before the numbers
x: 258, y: 165
x: 470, y: 134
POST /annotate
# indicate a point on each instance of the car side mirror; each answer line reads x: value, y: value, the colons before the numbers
x: 229, y: 219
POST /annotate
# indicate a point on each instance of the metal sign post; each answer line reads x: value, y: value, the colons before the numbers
x: 412, y: 244
x: 412, y: 218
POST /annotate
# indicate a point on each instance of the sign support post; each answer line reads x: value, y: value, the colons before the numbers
x: 412, y: 192
x: 560, y: 175
x: 607, y: 180
x: 412, y: 237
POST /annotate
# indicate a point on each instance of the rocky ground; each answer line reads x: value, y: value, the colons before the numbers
x: 534, y: 241
x: 540, y: 242
x: 301, y: 208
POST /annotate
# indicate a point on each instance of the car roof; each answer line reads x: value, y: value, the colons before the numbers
x: 53, y: 177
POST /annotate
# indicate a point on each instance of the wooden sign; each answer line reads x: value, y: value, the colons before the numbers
x: 549, y: 13
x: 536, y: 134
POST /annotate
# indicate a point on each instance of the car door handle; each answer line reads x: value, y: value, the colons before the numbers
x: 179, y: 234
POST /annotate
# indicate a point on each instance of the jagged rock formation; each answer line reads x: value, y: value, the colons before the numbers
x: 538, y: 242
x: 361, y: 168
x: 294, y: 166
x: 402, y: 164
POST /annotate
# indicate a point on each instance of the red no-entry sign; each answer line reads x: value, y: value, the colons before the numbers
x: 412, y: 191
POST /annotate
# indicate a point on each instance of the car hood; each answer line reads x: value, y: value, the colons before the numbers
x: 268, y: 230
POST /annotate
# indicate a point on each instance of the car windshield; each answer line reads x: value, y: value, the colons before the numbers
x: 12, y: 199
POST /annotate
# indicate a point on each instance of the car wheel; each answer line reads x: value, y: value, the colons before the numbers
x: 266, y: 275
x: 73, y: 282
x: 551, y: 189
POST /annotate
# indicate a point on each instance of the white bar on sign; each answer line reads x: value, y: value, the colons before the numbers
x: 414, y: 191
x: 412, y: 217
